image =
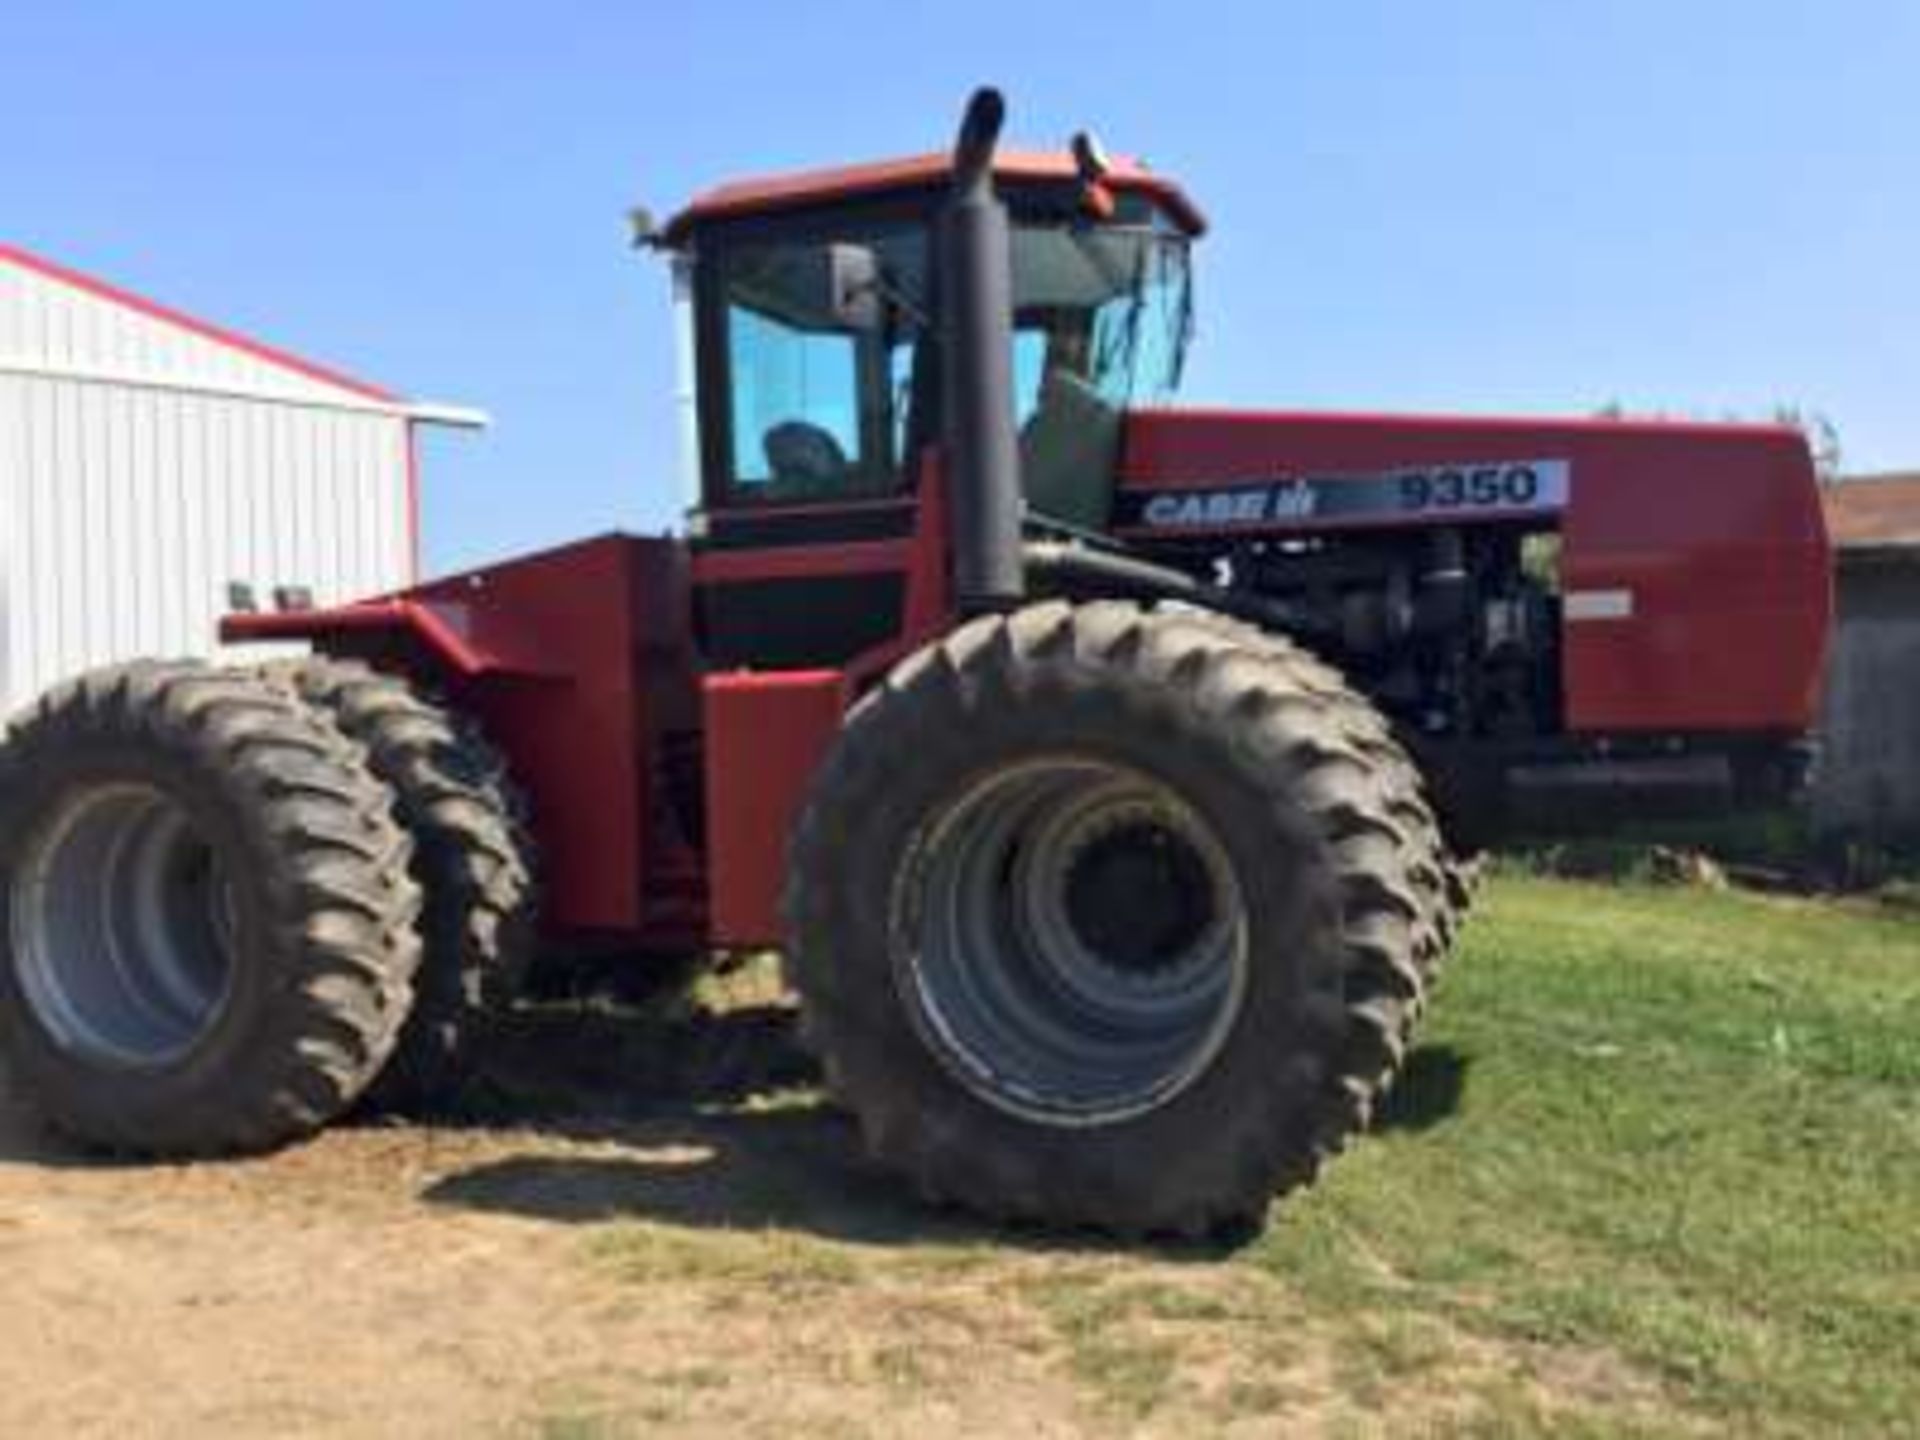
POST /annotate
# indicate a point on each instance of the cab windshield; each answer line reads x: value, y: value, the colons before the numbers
x: 1101, y: 319
x: 1110, y: 308
x: 821, y: 404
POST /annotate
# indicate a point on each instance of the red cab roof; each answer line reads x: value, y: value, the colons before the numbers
x: 920, y: 172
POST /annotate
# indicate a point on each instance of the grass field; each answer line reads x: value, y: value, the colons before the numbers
x: 1687, y: 1144
x: 1655, y: 1169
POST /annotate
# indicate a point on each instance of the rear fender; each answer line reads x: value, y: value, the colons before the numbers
x: 438, y: 634
x: 578, y: 664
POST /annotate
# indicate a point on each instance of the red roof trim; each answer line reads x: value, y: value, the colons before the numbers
x: 847, y: 182
x: 232, y: 339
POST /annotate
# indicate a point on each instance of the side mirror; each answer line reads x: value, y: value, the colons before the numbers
x: 643, y: 231
x: 854, y: 287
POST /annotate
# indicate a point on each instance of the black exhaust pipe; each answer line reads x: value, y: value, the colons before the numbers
x: 982, y: 451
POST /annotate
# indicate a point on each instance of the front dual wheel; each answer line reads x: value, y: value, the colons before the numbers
x: 1100, y: 915
x: 1076, y: 940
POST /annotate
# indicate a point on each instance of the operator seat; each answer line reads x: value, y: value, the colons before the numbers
x: 804, y: 461
x: 1068, y: 451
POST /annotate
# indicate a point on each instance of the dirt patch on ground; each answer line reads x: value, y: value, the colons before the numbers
x: 698, y: 1253
x: 407, y: 1281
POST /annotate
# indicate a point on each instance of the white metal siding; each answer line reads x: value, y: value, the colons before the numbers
x: 42, y: 318
x: 127, y: 508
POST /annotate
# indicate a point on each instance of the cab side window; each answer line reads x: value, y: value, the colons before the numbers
x: 796, y: 403
x: 822, y: 339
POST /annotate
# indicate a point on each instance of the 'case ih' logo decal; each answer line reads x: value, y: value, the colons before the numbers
x: 1507, y: 488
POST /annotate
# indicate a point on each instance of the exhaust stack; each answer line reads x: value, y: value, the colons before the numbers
x: 981, y: 448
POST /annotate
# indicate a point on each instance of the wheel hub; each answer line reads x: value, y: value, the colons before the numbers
x: 123, y: 924
x: 1071, y: 940
x: 1139, y: 897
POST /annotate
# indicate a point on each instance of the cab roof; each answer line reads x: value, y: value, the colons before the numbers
x: 805, y: 189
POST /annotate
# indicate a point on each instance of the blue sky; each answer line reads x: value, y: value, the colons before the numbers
x: 1489, y: 207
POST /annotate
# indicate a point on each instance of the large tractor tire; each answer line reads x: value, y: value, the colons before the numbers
x: 1438, y: 879
x: 1100, y: 918
x: 1447, y: 880
x: 208, y: 939
x: 471, y: 860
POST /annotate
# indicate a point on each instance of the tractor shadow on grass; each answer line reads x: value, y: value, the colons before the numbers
x: 712, y: 1120
x: 793, y: 1169
x: 708, y: 1123
x: 1428, y: 1092
x: 796, y: 1170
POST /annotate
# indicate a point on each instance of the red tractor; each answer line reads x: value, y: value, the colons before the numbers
x: 1098, y: 766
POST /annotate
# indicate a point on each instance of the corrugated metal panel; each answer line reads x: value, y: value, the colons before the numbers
x: 125, y: 510
x: 13, y: 475
x: 128, y: 512
x: 69, y: 323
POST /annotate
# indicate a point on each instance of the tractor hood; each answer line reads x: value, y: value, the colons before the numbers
x: 1680, y: 543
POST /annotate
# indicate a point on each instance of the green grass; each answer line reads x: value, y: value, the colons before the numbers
x: 1655, y: 1170
x: 1688, y: 1136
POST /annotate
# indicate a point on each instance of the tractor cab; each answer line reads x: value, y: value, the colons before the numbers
x: 813, y: 306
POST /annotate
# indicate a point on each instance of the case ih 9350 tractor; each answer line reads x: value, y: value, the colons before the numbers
x: 1098, y: 766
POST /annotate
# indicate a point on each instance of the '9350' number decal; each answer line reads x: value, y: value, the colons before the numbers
x: 1481, y: 487
x: 1432, y: 494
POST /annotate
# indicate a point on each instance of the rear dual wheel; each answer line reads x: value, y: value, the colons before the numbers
x: 1100, y: 916
x: 207, y: 924
x: 234, y: 904
x: 472, y: 860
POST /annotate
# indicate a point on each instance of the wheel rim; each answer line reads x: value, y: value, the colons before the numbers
x: 122, y: 921
x: 1072, y: 941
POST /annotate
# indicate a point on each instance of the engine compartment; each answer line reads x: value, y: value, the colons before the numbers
x: 1454, y: 632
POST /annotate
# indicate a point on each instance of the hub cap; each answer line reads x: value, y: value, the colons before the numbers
x: 1072, y: 941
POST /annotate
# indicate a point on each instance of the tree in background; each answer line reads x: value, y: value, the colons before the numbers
x: 1823, y: 438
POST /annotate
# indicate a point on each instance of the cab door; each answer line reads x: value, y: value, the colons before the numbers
x: 814, y: 362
